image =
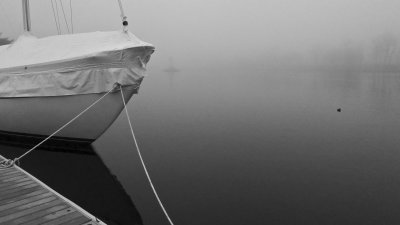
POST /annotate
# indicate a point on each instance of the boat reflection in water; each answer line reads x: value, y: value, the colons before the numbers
x: 82, y: 178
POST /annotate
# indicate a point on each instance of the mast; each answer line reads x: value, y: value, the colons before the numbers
x: 123, y: 17
x: 26, y: 15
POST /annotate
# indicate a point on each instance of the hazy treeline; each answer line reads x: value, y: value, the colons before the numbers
x: 382, y: 54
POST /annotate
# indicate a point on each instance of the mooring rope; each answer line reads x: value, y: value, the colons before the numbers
x: 141, y: 159
x: 9, y: 162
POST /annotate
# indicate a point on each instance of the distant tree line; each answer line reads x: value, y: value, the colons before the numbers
x: 385, y: 47
x: 381, y: 54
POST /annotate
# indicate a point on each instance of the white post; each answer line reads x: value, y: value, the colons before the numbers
x: 26, y: 14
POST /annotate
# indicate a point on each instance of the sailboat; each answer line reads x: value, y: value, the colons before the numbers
x: 44, y: 82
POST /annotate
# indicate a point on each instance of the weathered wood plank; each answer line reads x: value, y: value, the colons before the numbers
x: 7, y: 170
x: 22, y: 196
x: 63, y: 219
x: 13, y: 182
x: 4, y: 173
x: 78, y: 221
x: 4, y: 193
x: 8, y: 217
x: 24, y: 201
x: 38, y: 202
x: 27, y: 206
x: 13, y: 178
x: 60, y: 213
x: 30, y: 218
x: 8, y: 177
x: 21, y: 192
x: 90, y: 223
x: 52, y: 216
x: 22, y: 178
x: 12, y: 186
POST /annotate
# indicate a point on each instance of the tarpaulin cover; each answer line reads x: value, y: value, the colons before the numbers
x: 72, y: 64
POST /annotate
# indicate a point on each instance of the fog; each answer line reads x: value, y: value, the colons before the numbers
x: 228, y: 33
x: 276, y: 148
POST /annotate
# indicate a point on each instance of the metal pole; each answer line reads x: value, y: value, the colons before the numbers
x: 26, y: 14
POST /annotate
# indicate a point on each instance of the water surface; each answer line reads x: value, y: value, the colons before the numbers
x: 261, y: 148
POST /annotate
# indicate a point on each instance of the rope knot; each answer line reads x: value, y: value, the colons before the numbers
x: 7, y: 163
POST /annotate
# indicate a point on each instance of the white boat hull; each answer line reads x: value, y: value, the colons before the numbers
x: 41, y: 116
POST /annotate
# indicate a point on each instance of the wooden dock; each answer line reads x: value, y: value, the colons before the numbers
x: 26, y: 200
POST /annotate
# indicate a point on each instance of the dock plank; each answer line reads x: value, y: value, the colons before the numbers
x: 18, y: 193
x: 8, y: 179
x: 11, y: 214
x: 22, y: 196
x: 3, y: 184
x: 10, y: 172
x: 7, y: 169
x: 14, y: 182
x: 14, y: 185
x: 17, y: 189
x: 11, y: 175
x: 26, y: 200
x: 77, y: 221
x: 51, y: 217
x: 34, y: 216
x: 63, y: 219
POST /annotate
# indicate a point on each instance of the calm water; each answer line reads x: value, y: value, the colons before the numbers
x: 250, y: 148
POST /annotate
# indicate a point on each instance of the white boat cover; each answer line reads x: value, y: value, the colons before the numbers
x: 72, y: 64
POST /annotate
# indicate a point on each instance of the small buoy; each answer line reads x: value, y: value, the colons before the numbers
x: 339, y: 109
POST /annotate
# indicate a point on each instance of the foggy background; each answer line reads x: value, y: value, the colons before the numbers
x: 248, y: 131
x: 236, y: 34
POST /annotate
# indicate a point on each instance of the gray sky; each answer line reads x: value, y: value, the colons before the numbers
x: 199, y: 32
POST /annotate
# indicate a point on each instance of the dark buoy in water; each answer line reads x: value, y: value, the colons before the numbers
x: 339, y: 109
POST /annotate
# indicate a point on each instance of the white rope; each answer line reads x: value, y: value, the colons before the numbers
x: 65, y: 125
x: 141, y: 159
x: 7, y: 163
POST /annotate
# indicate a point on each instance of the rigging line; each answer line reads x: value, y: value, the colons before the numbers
x: 141, y: 158
x: 72, y: 21
x: 55, y: 20
x: 58, y: 16
x: 65, y: 18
